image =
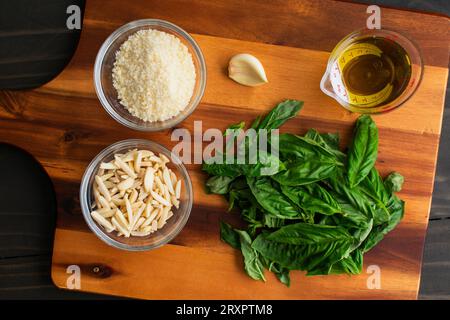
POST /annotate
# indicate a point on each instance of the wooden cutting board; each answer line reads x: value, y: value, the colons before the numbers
x: 64, y: 126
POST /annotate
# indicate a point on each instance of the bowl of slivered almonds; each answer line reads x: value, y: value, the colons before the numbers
x: 136, y: 195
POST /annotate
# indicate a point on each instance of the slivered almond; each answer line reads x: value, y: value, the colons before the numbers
x: 124, y: 231
x: 168, y: 181
x: 106, y: 176
x: 125, y: 184
x: 160, y: 199
x: 104, y: 203
x: 164, y: 158
x: 137, y: 216
x: 102, y: 221
x: 140, y: 233
x: 125, y: 167
x: 106, y: 213
x: 108, y: 166
x: 148, y: 179
x: 139, y: 223
x: 133, y: 196
x: 178, y: 189
x: 129, y: 211
x: 102, y: 188
x: 137, y: 161
x: 134, y: 193
x: 120, y: 217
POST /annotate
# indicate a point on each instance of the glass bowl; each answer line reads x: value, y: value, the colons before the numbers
x: 104, y: 63
x: 332, y: 82
x: 173, y: 226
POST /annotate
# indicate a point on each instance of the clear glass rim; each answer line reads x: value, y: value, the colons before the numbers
x: 363, y: 32
x: 85, y: 202
x: 113, y: 37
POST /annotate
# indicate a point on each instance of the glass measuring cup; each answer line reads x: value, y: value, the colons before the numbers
x: 334, y: 85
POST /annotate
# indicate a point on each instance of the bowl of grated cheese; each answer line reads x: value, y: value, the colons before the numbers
x: 150, y: 75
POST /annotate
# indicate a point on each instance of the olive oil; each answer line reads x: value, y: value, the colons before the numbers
x: 374, y: 71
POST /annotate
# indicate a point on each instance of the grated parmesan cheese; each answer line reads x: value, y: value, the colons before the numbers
x: 154, y: 75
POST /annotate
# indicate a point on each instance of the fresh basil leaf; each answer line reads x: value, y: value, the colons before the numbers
x: 397, y: 209
x: 218, y: 184
x: 350, y: 265
x: 270, y: 221
x: 296, y: 148
x: 271, y: 199
x: 394, y: 182
x: 304, y: 246
x: 252, y: 264
x: 373, y: 187
x: 265, y: 165
x: 280, y: 272
x: 256, y: 122
x: 253, y: 217
x: 352, y: 201
x: 361, y: 234
x: 234, y: 127
x: 363, y: 150
x: 312, y: 198
x: 222, y: 169
x: 283, y: 276
x: 330, y: 141
x: 229, y: 235
x: 306, y: 171
x: 280, y: 114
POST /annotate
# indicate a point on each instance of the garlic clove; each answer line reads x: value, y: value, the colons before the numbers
x: 247, y: 70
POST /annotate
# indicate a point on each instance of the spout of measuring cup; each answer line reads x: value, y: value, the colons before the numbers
x: 326, y: 87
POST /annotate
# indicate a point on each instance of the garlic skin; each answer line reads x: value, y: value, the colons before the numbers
x: 247, y: 70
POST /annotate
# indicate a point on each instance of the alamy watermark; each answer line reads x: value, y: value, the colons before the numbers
x: 73, y: 21
x: 73, y: 281
x: 235, y: 146
x: 374, y: 20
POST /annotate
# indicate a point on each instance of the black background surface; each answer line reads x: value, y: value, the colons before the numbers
x: 35, y: 46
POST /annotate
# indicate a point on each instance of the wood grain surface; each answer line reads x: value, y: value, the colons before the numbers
x: 63, y: 125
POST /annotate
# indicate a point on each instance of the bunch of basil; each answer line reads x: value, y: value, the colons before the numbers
x: 320, y: 211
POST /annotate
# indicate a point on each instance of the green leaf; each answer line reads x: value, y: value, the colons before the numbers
x: 271, y: 199
x: 229, y: 235
x: 253, y: 216
x: 350, y: 265
x: 265, y: 165
x: 304, y: 246
x: 252, y: 264
x: 373, y: 187
x: 332, y: 140
x: 296, y: 148
x: 312, y: 198
x: 397, y: 209
x: 394, y: 182
x: 354, y: 203
x: 234, y: 127
x: 270, y: 221
x: 329, y: 141
x: 306, y: 171
x: 256, y: 122
x: 218, y: 184
x: 280, y: 114
x: 222, y: 169
x: 280, y: 272
x: 363, y: 150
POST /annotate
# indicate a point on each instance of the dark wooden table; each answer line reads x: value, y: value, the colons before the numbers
x: 34, y: 48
